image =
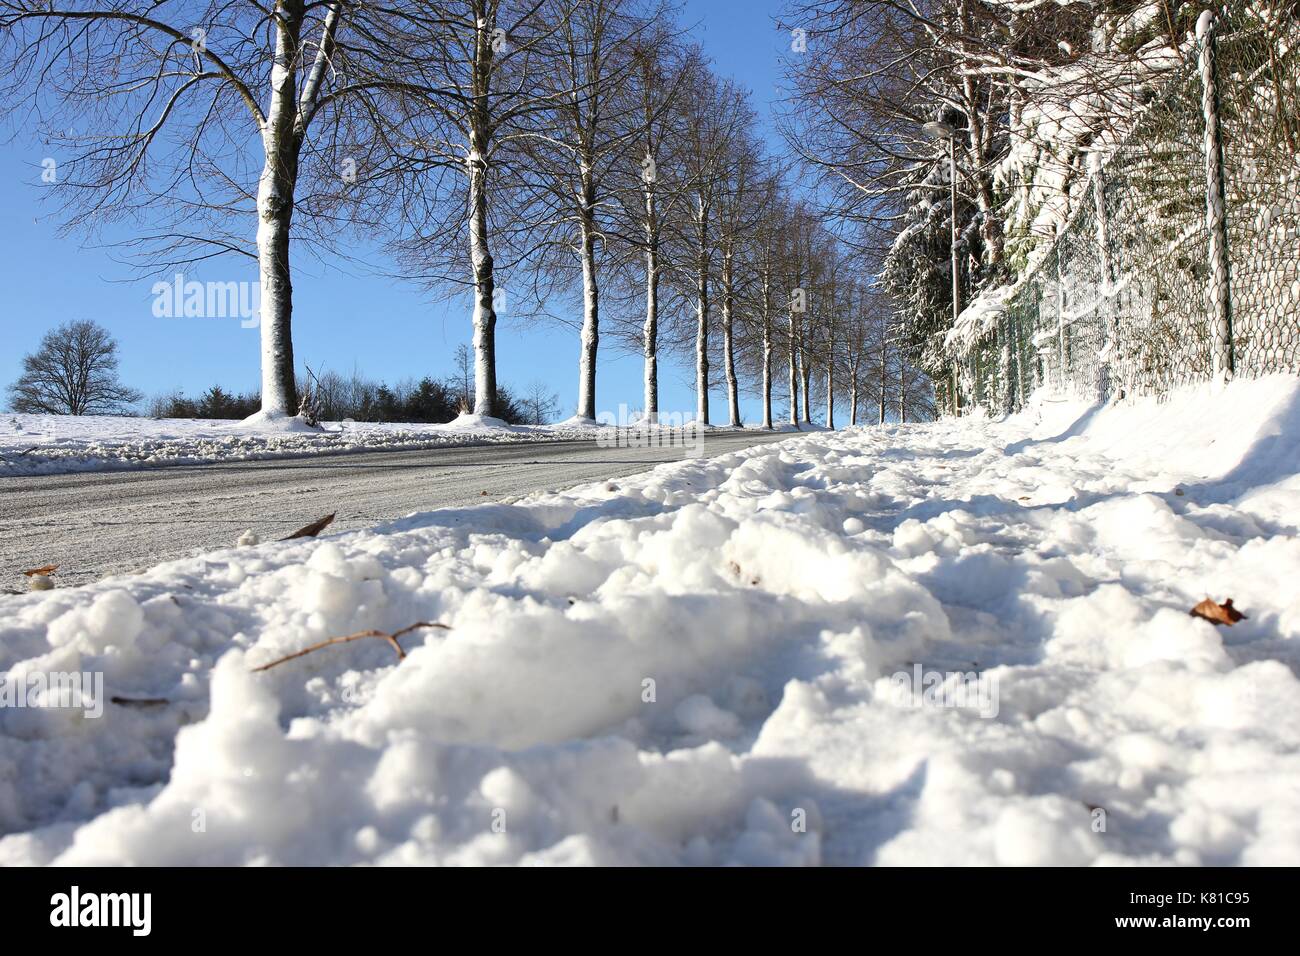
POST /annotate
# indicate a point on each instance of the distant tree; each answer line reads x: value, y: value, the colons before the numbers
x: 430, y: 402
x: 216, y: 403
x: 388, y: 408
x: 74, y: 372
x: 173, y: 405
x: 464, y: 380
x: 508, y: 408
x: 540, y: 404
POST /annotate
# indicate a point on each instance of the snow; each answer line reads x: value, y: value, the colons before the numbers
x: 56, y: 444
x: 61, y: 444
x: 701, y: 664
x: 269, y: 421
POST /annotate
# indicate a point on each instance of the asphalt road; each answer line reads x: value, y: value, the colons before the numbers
x: 99, y: 523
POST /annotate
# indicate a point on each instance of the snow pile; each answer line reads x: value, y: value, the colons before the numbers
x: 702, y: 664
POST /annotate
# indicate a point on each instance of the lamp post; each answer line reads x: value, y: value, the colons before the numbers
x: 940, y: 130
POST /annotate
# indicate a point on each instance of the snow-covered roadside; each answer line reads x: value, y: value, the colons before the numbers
x: 698, y: 665
x: 59, y: 444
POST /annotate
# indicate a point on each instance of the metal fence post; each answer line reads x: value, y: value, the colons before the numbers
x: 1060, y: 314
x: 1107, y: 291
x: 1220, y: 302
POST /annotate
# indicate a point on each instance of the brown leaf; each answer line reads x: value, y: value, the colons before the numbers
x: 313, y: 529
x: 1217, y: 614
x: 48, y: 569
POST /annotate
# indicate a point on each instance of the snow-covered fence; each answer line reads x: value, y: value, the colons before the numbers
x: 1181, y: 261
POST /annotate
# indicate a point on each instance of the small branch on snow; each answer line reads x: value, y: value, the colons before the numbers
x: 384, y: 635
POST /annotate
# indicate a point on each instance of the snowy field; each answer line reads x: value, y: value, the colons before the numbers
x: 710, y: 663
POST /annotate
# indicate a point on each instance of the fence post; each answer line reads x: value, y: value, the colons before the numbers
x: 1220, y: 302
x: 1107, y: 291
x: 1060, y: 314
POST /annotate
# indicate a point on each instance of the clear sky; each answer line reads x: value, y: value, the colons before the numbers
x: 388, y: 329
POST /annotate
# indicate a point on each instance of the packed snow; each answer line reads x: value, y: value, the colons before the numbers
x: 719, y: 661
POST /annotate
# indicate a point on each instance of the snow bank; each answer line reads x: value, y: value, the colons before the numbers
x: 702, y: 664
x: 55, y: 444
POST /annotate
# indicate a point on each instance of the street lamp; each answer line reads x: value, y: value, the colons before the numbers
x: 940, y: 130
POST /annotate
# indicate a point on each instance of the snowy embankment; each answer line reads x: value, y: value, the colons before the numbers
x: 57, y: 444
x: 699, y: 665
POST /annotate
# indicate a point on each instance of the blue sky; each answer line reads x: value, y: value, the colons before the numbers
x: 344, y: 317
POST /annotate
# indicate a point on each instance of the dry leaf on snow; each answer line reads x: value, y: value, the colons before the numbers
x: 1217, y: 614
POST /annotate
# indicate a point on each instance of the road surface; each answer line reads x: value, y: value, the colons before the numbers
x: 98, y: 523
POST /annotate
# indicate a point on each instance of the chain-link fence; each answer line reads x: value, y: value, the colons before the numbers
x: 1182, y: 260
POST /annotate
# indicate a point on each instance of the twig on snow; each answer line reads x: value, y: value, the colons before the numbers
x: 384, y: 635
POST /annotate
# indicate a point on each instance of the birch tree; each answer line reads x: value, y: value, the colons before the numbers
x: 768, y: 245
x: 738, y: 213
x: 467, y: 90
x: 590, y: 129
x: 713, y: 115
x: 649, y: 184
x: 201, y: 114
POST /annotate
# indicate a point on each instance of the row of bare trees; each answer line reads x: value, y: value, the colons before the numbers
x: 558, y: 150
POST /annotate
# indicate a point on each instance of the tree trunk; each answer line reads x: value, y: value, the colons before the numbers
x: 590, y: 308
x: 651, y: 334
x: 883, y: 386
x: 767, y: 351
x: 805, y: 378
x: 485, y: 316
x: 275, y: 199
x: 728, y: 344
x: 702, y: 342
x: 854, y: 368
x: 792, y: 360
x: 830, y: 394
x: 902, y: 393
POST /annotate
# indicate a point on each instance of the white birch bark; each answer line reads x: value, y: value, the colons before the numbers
x: 275, y: 200
x: 590, y: 336
x: 792, y: 363
x: 767, y: 350
x: 728, y: 342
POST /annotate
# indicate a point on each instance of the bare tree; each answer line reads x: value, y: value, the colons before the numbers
x: 540, y: 403
x: 74, y: 372
x: 464, y: 377
x: 714, y: 116
x: 738, y: 214
x: 468, y: 89
x: 649, y: 186
x: 155, y: 102
x: 576, y: 146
